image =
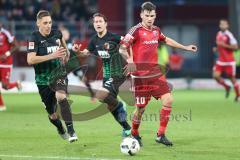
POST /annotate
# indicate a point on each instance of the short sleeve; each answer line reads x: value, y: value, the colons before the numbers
x: 59, y: 34
x: 161, y: 37
x: 91, y: 46
x: 232, y: 39
x: 32, y: 43
x: 130, y: 37
x: 10, y: 37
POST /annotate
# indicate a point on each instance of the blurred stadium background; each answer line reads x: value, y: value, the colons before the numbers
x: 186, y: 21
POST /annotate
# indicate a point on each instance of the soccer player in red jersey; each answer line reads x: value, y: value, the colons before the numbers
x: 226, y: 44
x: 7, y: 46
x: 143, y: 40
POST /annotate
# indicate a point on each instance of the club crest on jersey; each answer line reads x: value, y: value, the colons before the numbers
x: 30, y: 45
x: 103, y: 54
x: 106, y: 46
x: 58, y: 42
x: 155, y: 33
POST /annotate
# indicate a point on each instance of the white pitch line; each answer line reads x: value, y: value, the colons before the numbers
x: 53, y: 157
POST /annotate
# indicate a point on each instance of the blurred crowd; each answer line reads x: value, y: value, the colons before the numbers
x: 71, y: 10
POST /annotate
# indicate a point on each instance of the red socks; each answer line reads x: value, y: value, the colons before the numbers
x: 136, y: 123
x: 164, y: 118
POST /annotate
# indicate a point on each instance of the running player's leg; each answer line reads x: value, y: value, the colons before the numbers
x: 61, y: 96
x: 2, y: 106
x: 50, y: 102
x: 162, y: 91
x: 167, y: 100
x: 109, y: 96
x: 217, y: 71
x: 80, y: 73
x: 136, y: 121
x: 89, y: 87
x: 6, y: 84
x: 231, y: 72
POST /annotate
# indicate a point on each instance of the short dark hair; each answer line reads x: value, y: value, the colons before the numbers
x: 223, y: 19
x: 43, y: 13
x: 99, y: 15
x: 149, y: 6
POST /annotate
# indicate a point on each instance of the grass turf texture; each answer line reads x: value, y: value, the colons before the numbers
x: 204, y: 125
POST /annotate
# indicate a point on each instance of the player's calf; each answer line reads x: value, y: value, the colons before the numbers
x: 67, y: 117
x: 120, y: 115
x: 136, y: 121
x: 53, y: 118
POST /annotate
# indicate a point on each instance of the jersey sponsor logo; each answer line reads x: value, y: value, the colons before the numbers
x: 52, y: 49
x: 103, y: 54
x: 31, y: 45
x: 150, y: 42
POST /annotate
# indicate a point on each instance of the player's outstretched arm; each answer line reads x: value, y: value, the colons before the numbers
x: 32, y: 57
x: 83, y: 53
x: 228, y: 46
x: 175, y: 44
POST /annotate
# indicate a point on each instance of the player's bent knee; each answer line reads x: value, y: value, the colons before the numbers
x: 167, y: 101
x: 216, y: 75
x: 101, y: 95
x: 53, y: 116
x: 60, y: 96
x: 110, y: 100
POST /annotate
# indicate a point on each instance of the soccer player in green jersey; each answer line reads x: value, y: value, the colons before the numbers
x: 105, y: 45
x: 46, y: 54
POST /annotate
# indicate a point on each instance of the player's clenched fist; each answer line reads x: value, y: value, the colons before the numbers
x: 192, y: 48
x: 76, y: 48
x: 60, y: 53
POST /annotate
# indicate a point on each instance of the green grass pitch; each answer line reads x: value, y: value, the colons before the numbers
x: 204, y: 126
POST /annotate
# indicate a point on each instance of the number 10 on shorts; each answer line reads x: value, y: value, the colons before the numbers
x: 140, y: 100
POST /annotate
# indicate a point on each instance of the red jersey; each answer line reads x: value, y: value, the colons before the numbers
x: 226, y: 56
x: 144, y: 43
x: 175, y: 62
x: 6, y: 40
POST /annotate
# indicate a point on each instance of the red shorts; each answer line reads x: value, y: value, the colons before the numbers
x: 229, y: 70
x: 5, y: 74
x: 145, y: 88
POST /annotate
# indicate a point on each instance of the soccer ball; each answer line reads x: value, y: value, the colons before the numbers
x: 129, y: 146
